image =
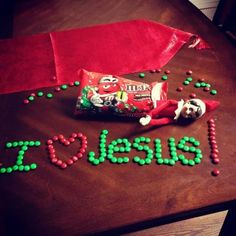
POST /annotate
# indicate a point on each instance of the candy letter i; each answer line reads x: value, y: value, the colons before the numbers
x: 19, y: 166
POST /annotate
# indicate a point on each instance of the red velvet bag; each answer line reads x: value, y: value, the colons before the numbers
x: 120, y: 48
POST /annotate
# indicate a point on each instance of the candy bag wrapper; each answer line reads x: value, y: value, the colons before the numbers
x: 104, y: 93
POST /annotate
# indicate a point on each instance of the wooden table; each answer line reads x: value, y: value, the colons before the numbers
x: 87, y: 199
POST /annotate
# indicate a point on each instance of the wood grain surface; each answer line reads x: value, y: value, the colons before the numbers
x: 86, y: 199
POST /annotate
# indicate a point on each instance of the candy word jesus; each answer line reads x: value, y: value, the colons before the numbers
x: 110, y: 151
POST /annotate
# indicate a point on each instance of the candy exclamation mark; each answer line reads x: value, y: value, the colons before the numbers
x: 213, y: 145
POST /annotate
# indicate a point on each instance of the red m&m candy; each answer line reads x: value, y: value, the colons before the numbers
x: 215, y: 172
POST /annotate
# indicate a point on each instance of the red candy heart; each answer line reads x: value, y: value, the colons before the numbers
x: 60, y: 138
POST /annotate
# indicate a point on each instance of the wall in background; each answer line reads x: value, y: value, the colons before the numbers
x: 207, y: 7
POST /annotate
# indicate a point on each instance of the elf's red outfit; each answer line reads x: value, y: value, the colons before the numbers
x: 168, y: 111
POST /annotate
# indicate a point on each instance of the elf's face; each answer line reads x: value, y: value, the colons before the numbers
x: 191, y: 110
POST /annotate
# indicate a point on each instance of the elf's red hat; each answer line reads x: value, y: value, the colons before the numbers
x: 211, y: 105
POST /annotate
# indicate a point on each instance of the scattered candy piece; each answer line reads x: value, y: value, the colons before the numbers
x: 213, y: 92
x: 215, y: 172
x: 167, y: 72
x: 164, y: 77
x: 141, y: 75
x: 64, y: 87
x: 76, y: 83
x: 31, y: 98
x: 197, y: 85
x: 206, y: 89
x: 203, y: 84
x: 49, y: 95
x: 192, y: 95
x: 152, y: 71
x: 40, y: 94
x: 201, y: 80
x: 179, y: 89
x: 26, y: 101
x: 186, y: 82
x: 189, y: 72
x: 57, y: 89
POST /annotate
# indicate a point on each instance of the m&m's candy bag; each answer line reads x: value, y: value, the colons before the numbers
x: 104, y: 93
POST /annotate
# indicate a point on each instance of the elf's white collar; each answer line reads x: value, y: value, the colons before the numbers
x: 179, y: 108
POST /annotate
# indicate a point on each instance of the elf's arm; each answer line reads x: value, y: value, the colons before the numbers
x: 156, y: 111
x: 161, y: 121
x: 152, y: 117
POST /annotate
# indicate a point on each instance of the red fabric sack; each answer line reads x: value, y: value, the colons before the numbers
x: 119, y: 48
x: 105, y: 93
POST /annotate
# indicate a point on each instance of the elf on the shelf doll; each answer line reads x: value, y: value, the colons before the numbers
x: 171, y: 111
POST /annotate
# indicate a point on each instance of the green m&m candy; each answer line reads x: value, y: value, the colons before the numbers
x: 213, y: 92
x: 141, y: 75
x: 49, y: 95
x: 40, y: 94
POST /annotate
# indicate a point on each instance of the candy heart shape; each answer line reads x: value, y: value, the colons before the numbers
x: 62, y: 140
